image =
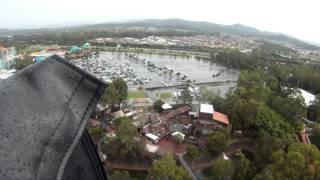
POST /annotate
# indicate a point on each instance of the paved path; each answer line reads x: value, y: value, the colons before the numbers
x: 186, y: 166
x: 241, y: 144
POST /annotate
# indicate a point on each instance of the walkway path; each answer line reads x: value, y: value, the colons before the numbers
x: 241, y: 144
x: 186, y: 166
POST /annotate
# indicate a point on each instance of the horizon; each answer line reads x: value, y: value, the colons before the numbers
x: 67, y: 25
x: 272, y: 16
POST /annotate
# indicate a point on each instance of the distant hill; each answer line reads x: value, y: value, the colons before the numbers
x: 197, y: 27
x: 4, y: 30
x: 207, y: 28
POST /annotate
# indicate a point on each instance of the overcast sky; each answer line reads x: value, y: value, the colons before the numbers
x: 299, y: 18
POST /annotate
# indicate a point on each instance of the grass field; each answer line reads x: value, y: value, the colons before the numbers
x: 164, y: 95
x: 136, y: 94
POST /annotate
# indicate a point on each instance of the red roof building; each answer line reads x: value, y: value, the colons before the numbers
x: 220, y: 118
x: 210, y: 120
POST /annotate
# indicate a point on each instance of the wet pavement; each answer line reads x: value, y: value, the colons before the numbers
x: 128, y: 67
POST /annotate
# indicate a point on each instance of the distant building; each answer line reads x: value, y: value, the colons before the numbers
x: 75, y: 49
x: 86, y: 46
x: 41, y: 55
x: 7, y: 56
x: 140, y: 102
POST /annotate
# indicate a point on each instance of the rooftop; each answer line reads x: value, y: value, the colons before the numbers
x: 206, y: 108
x: 220, y: 117
x: 166, y: 106
x: 152, y: 136
x: 168, y: 115
x: 308, y: 97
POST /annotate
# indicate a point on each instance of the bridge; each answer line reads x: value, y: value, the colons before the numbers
x: 182, y: 86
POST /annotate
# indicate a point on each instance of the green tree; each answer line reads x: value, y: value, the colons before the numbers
x: 192, y: 153
x: 185, y: 96
x: 315, y: 137
x: 314, y: 110
x: 157, y: 105
x: 95, y: 132
x: 242, y: 112
x: 22, y: 63
x: 291, y: 108
x: 222, y: 169
x: 302, y: 161
x: 274, y: 84
x: 118, y: 121
x: 126, y: 131
x: 243, y: 167
x: 126, y: 143
x: 115, y: 93
x: 268, y: 144
x: 110, y: 96
x: 120, y: 175
x: 178, y: 138
x: 122, y: 89
x: 218, y: 141
x: 167, y: 169
x: 253, y: 84
x: 252, y: 116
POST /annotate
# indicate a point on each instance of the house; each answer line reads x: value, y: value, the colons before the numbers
x: 7, y: 56
x: 159, y: 127
x: 210, y: 120
x: 205, y: 124
x: 155, y: 132
x: 220, y: 120
x: 117, y: 114
x: 177, y: 133
x: 152, y: 137
x: 140, y: 102
x: 206, y: 111
x: 168, y: 115
x: 166, y: 106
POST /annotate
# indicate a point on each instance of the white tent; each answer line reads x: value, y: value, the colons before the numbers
x: 166, y: 106
x: 152, y: 137
x: 308, y: 97
x: 178, y: 133
x: 225, y: 157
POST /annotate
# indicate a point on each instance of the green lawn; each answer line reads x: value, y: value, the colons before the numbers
x: 136, y: 94
x: 164, y: 95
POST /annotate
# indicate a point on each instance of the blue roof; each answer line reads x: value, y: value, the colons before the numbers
x: 75, y: 49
